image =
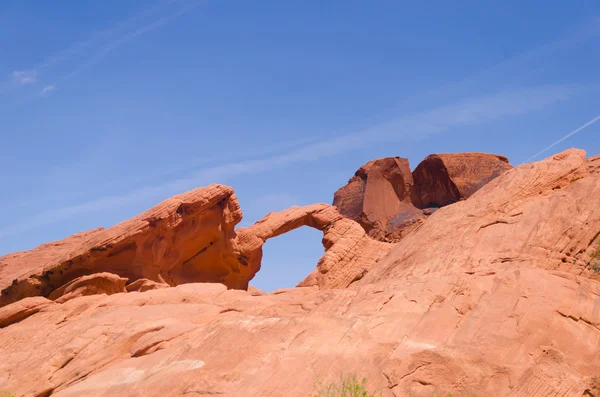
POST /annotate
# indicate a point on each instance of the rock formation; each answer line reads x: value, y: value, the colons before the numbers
x: 349, y: 252
x: 184, y: 239
x: 94, y: 284
x: 443, y: 179
x: 540, y: 215
x: 493, y: 295
x: 594, y: 164
x: 188, y: 238
x: 378, y: 195
x: 389, y: 201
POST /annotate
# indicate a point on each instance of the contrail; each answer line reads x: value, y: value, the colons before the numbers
x: 76, y: 47
x: 80, y: 45
x: 570, y: 134
x: 126, y: 37
x: 122, y: 38
x: 93, y: 39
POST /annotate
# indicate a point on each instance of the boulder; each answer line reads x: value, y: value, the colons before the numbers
x: 97, y: 283
x: 376, y: 194
x: 443, y: 179
x: 389, y: 201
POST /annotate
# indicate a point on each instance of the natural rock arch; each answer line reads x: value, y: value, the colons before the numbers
x: 185, y: 239
x: 349, y: 252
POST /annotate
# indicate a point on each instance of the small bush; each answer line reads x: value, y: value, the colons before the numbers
x: 441, y: 394
x: 345, y: 387
x: 6, y: 393
x: 595, y: 262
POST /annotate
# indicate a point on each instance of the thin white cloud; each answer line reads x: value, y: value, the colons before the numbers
x: 100, y: 43
x: 47, y: 90
x: 104, y: 34
x: 24, y: 76
x: 472, y: 111
x: 124, y: 38
x: 564, y: 138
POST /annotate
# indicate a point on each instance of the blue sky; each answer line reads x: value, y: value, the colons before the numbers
x: 107, y: 108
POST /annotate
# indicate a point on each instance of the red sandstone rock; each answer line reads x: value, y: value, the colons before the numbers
x: 22, y: 309
x: 389, y: 201
x: 349, y: 252
x: 594, y: 164
x: 443, y: 179
x: 97, y: 283
x: 255, y: 291
x: 518, y: 332
x: 490, y: 296
x: 186, y: 238
x: 143, y: 285
x: 538, y: 215
x: 376, y: 194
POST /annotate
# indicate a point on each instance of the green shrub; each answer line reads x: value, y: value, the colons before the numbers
x: 345, y: 387
x: 6, y: 393
x: 438, y: 394
x: 595, y: 262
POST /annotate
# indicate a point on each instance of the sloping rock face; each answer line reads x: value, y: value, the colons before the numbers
x: 187, y: 238
x: 389, y: 201
x: 490, y: 296
x: 594, y: 164
x: 540, y: 215
x: 525, y: 332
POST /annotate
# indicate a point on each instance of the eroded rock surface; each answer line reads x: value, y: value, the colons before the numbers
x: 377, y: 193
x: 143, y: 285
x: 543, y: 215
x: 22, y: 309
x: 594, y: 164
x: 518, y: 332
x: 97, y: 283
x: 187, y: 238
x: 349, y: 252
x: 443, y: 179
x: 491, y: 296
x: 389, y: 200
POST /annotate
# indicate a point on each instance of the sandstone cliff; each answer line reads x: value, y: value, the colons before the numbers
x: 493, y: 295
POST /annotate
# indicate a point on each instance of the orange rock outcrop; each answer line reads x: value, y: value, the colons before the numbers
x: 188, y: 238
x: 494, y: 295
x: 389, y: 200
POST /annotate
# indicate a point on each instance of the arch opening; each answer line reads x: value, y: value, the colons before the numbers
x: 288, y: 259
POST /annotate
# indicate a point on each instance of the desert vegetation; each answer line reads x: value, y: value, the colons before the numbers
x: 345, y: 386
x: 350, y: 386
x: 595, y: 261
